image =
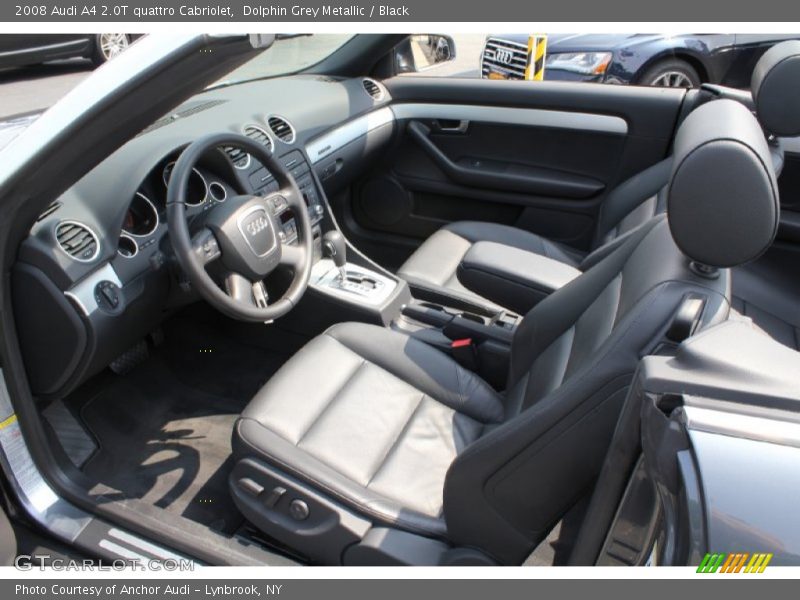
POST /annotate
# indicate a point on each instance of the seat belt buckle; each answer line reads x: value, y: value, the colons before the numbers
x: 465, y: 353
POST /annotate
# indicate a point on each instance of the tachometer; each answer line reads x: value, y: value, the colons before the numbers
x: 198, y: 188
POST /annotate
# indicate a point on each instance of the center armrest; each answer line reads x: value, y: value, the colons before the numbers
x: 510, y: 277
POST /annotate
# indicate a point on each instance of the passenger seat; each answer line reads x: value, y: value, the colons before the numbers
x: 492, y: 267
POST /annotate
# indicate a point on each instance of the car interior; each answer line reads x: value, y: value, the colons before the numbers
x: 373, y: 319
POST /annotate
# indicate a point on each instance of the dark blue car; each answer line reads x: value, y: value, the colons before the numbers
x: 643, y: 59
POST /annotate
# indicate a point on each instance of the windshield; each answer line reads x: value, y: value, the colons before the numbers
x: 288, y: 55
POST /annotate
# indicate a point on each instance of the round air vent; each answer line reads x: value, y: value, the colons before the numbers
x: 77, y: 240
x: 239, y: 158
x: 373, y: 88
x: 282, y: 129
x: 254, y: 132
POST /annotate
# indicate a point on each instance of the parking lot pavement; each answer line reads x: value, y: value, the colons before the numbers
x: 36, y: 88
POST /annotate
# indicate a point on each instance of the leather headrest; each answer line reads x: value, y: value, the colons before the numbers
x: 776, y: 87
x: 722, y: 201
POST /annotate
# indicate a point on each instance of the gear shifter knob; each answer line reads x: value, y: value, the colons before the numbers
x: 336, y: 248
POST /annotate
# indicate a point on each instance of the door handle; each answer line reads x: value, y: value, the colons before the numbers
x: 450, y: 126
x: 505, y: 176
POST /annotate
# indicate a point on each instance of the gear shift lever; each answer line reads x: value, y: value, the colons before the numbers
x: 336, y: 247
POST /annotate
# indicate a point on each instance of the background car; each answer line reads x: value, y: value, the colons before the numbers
x: 18, y: 50
x: 685, y: 61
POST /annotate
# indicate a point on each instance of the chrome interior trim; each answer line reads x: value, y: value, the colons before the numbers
x: 381, y: 89
x: 259, y: 128
x: 82, y: 293
x: 530, y: 117
x: 216, y: 184
x: 135, y: 245
x: 324, y: 277
x: 87, y: 228
x: 275, y: 135
x: 349, y: 132
x: 155, y: 212
x: 166, y: 175
x: 751, y: 427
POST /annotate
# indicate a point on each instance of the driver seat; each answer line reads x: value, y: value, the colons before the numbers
x: 371, y: 447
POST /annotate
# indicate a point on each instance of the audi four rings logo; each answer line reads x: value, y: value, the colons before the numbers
x: 256, y: 226
x: 504, y: 56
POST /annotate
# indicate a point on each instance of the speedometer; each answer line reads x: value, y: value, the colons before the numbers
x: 197, y: 190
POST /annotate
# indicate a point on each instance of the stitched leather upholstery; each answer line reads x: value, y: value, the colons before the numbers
x: 373, y: 417
x: 402, y: 435
x: 435, y: 266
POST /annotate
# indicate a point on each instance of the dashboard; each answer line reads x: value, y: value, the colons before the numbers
x: 97, y: 272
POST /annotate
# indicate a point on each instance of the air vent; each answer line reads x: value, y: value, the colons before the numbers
x: 282, y: 129
x: 239, y: 158
x: 373, y: 89
x: 77, y: 240
x: 254, y: 132
x: 53, y: 207
x: 185, y: 110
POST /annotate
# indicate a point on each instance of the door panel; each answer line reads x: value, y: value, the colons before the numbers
x: 540, y: 156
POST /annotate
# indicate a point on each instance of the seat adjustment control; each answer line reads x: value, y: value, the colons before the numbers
x: 299, y: 510
x: 274, y: 496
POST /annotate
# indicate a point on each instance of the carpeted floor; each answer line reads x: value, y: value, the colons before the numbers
x: 164, y: 429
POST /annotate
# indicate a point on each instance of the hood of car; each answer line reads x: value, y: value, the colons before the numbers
x: 587, y: 42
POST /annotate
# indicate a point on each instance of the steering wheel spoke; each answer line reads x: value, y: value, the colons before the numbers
x: 293, y: 256
x: 205, y: 246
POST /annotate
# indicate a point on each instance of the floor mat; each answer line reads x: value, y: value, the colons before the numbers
x: 76, y: 442
x: 164, y: 429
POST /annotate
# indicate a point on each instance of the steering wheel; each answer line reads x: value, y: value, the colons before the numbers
x: 242, y: 234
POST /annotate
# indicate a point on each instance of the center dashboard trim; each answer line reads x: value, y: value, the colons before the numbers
x: 338, y: 138
x: 530, y: 117
x: 82, y: 293
x: 334, y: 140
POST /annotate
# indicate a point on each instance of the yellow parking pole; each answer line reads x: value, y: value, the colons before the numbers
x: 537, y: 52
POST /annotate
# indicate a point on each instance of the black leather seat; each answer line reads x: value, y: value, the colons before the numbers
x: 369, y: 446
x: 495, y: 267
x: 448, y: 266
x: 374, y: 417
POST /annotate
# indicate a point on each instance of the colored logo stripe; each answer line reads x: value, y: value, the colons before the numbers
x: 734, y: 562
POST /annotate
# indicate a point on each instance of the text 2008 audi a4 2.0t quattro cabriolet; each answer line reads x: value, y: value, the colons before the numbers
x: 340, y: 316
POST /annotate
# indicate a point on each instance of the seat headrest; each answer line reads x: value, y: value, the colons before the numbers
x: 722, y: 200
x: 776, y: 86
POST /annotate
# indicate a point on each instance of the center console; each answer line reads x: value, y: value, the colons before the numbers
x: 356, y: 285
x: 479, y: 343
x: 362, y: 291
x: 352, y: 283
